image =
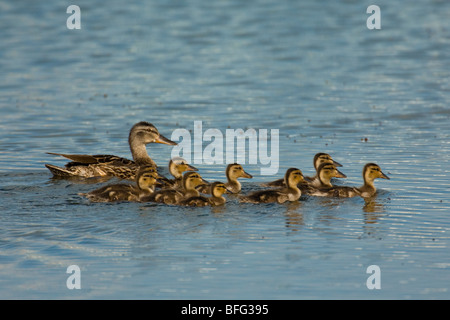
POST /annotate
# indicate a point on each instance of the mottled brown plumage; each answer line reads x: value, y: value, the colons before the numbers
x: 88, y: 166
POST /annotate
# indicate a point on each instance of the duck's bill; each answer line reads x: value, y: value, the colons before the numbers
x: 340, y: 174
x: 164, y: 140
x: 191, y: 168
x: 337, y: 164
x: 247, y: 175
x: 383, y: 176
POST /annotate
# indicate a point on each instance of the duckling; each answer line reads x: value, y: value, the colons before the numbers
x: 88, y: 166
x: 319, y: 158
x: 216, y: 199
x: 191, y: 180
x: 177, y: 166
x: 291, y: 192
x: 325, y: 172
x: 233, y: 172
x: 371, y: 171
x: 146, y: 179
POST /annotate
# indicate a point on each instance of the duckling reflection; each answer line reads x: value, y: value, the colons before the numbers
x: 294, y: 218
x: 371, y: 205
x: 87, y: 166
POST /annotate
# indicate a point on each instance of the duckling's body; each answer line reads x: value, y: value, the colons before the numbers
x: 146, y: 178
x: 324, y: 187
x: 290, y: 192
x: 175, y: 196
x: 88, y: 166
x: 325, y: 172
x: 319, y: 158
x: 371, y: 171
x: 216, y: 199
x: 233, y: 172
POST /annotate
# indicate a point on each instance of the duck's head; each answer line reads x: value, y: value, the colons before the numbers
x: 372, y: 171
x: 147, y: 177
x: 178, y: 165
x: 321, y: 158
x: 235, y: 171
x: 218, y: 189
x: 293, y: 177
x: 144, y: 133
x: 326, y: 171
x: 192, y: 179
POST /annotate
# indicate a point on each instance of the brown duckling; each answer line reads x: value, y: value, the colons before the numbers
x: 325, y: 173
x: 371, y: 171
x: 290, y: 192
x: 233, y: 172
x: 146, y: 179
x: 177, y: 166
x: 191, y: 180
x: 216, y: 199
x: 319, y: 158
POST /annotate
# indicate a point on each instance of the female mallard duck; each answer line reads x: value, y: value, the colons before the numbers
x: 233, y: 172
x: 88, y: 166
x: 216, y: 199
x: 319, y: 158
x: 371, y: 171
x: 291, y: 192
x: 146, y: 179
x: 191, y: 180
x: 177, y: 166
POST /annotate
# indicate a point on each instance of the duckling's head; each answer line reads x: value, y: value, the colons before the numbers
x: 235, y: 171
x: 326, y: 171
x: 218, y: 189
x: 146, y: 178
x: 293, y: 177
x: 321, y: 157
x: 192, y: 179
x: 144, y: 133
x: 178, y: 165
x: 372, y: 171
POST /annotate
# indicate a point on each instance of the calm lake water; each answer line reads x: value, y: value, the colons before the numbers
x: 311, y: 69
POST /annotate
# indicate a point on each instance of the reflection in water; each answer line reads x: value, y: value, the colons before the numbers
x: 294, y: 218
x: 372, y: 205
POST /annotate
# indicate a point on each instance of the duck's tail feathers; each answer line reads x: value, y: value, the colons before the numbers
x: 59, y: 172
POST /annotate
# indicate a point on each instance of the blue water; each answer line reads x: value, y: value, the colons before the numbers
x: 310, y: 69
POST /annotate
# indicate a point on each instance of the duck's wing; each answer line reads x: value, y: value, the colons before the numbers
x: 86, y: 159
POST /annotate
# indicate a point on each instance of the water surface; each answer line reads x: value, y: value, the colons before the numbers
x: 311, y: 70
